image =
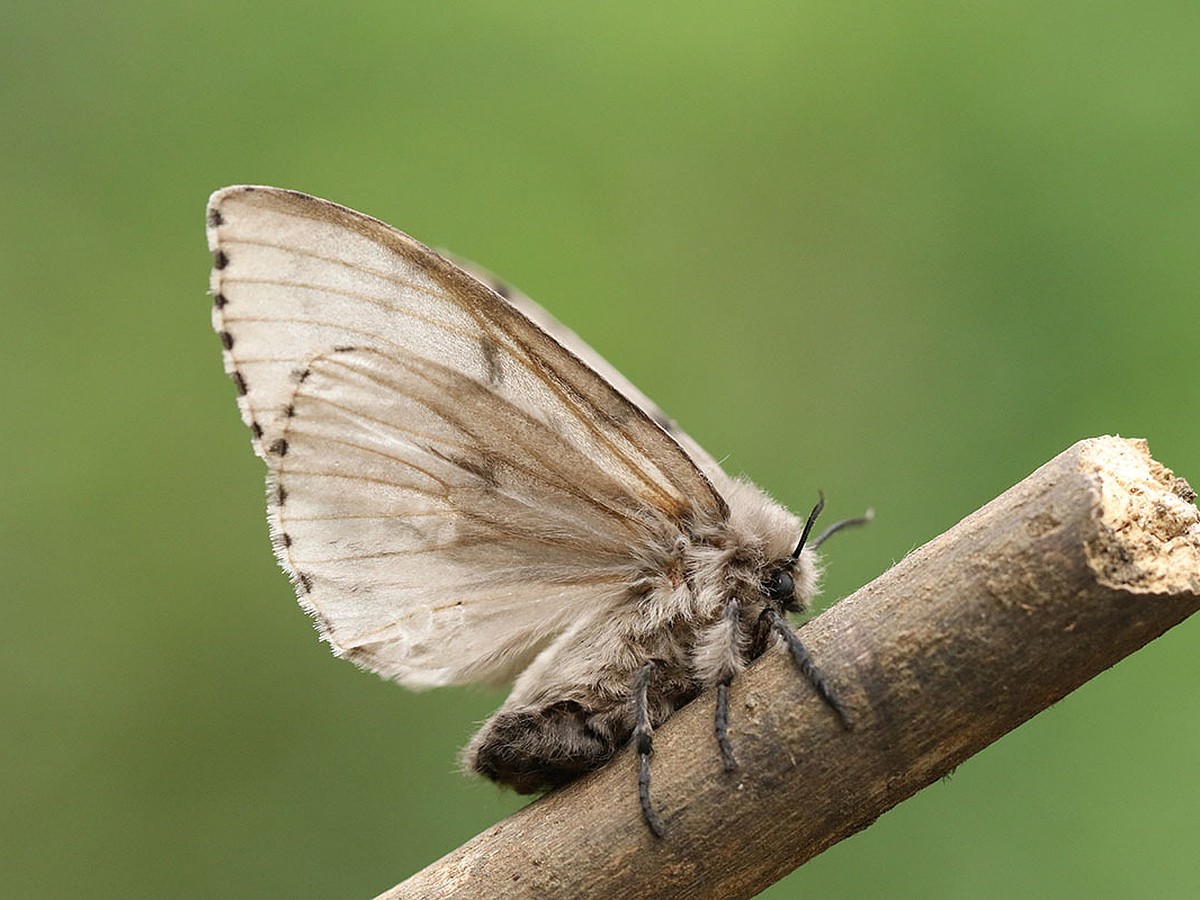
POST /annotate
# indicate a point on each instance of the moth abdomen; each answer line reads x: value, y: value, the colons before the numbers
x: 536, y: 749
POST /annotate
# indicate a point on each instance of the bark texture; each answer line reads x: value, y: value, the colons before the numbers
x: 1086, y: 560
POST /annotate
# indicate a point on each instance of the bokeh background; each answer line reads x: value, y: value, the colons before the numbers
x: 901, y: 252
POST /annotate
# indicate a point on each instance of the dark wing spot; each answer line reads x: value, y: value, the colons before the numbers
x: 280, y: 495
x: 285, y: 539
x: 215, y: 219
x: 226, y: 340
x: 304, y: 581
x: 256, y: 430
x: 491, y: 360
x: 290, y: 411
x: 279, y: 447
x: 240, y: 383
x: 301, y: 375
x: 484, y: 468
x: 219, y: 301
x: 220, y: 260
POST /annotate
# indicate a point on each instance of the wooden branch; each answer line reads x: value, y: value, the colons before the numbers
x: 1083, y: 562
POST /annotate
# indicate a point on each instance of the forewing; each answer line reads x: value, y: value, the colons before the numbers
x: 452, y: 486
x: 573, y: 342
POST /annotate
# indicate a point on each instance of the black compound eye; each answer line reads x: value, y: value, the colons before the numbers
x: 780, y: 585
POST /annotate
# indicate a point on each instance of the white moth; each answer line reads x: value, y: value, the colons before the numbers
x: 463, y: 491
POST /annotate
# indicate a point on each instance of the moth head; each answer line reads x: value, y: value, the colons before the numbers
x: 779, y: 580
x: 779, y: 586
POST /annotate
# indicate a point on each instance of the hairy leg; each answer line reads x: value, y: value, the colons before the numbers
x: 806, y: 665
x: 644, y: 734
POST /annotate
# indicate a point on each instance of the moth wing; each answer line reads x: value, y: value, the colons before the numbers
x: 451, y: 486
x: 573, y: 342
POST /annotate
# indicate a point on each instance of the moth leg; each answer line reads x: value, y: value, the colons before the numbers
x: 807, y: 666
x: 644, y: 734
x: 721, y: 720
x: 721, y: 726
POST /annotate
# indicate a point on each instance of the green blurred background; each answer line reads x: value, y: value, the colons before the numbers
x: 904, y: 253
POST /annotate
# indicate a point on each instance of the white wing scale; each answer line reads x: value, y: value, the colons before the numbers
x: 453, y: 488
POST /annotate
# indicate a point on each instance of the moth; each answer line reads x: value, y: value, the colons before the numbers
x: 461, y: 490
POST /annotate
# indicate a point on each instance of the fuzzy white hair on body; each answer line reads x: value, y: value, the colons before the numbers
x: 461, y: 490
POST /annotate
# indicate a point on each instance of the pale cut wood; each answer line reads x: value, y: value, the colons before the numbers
x: 1086, y: 560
